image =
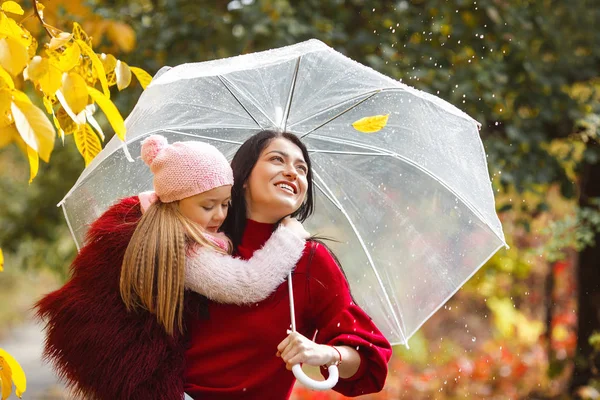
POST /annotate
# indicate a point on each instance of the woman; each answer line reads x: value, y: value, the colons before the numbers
x: 243, y: 352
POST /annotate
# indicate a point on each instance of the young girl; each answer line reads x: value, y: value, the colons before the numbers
x: 116, y: 329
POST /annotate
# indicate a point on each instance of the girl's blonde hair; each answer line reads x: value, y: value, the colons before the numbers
x: 153, y: 270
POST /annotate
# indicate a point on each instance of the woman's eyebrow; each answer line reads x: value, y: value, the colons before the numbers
x: 283, y: 153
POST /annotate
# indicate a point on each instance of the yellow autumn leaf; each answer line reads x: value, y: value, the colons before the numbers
x: 60, y: 40
x: 12, y: 7
x: 17, y: 95
x: 18, y: 375
x: 5, y: 378
x: 8, y: 135
x: 371, y: 124
x: 87, y: 143
x: 112, y: 114
x: 13, y: 56
x: 51, y: 81
x: 142, y: 76
x: 47, y: 100
x: 97, y: 64
x: 34, y: 163
x: 123, y: 75
x: 37, y: 68
x: 79, y: 33
x: 69, y: 58
x: 10, y: 28
x: 5, y: 113
x: 65, y: 121
x: 1, y: 261
x: 34, y: 128
x: 6, y: 79
x: 109, y: 62
x: 122, y: 35
x: 74, y: 89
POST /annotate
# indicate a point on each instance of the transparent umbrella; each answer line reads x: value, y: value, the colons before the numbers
x: 411, y: 204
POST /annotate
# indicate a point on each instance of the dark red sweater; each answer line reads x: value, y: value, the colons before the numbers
x: 232, y: 353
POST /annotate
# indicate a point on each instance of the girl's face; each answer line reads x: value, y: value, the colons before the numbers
x: 277, y: 184
x: 207, y: 209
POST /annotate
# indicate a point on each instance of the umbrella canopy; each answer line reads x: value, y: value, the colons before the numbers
x: 410, y: 205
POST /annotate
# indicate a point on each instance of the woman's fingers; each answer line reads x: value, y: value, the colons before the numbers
x: 297, y: 349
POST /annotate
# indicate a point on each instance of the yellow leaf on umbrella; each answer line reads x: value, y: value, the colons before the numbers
x: 371, y: 124
x: 74, y: 89
x: 142, y: 76
x: 12, y: 7
x: 1, y: 261
x: 17, y: 374
x: 34, y: 128
x: 123, y: 75
x: 112, y: 114
x: 97, y: 64
x: 13, y: 55
x: 87, y: 143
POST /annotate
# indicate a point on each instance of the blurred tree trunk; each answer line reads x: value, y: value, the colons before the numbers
x: 589, y: 282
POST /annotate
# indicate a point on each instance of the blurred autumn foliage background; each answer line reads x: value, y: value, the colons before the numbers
x: 525, y: 326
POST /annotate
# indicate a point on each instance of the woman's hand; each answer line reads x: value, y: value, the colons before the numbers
x: 296, y: 227
x: 297, y: 349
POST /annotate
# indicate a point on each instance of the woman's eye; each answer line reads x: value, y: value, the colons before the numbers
x: 303, y: 168
x: 226, y: 205
x: 277, y: 158
x: 207, y: 208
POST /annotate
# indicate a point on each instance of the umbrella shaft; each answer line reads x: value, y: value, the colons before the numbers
x: 292, y: 312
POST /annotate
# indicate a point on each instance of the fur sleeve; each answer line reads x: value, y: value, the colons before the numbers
x: 225, y: 279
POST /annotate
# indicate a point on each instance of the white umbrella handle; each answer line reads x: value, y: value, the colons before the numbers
x: 297, y: 369
x: 313, y: 384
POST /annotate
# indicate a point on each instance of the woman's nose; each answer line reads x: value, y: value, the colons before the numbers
x: 290, y: 172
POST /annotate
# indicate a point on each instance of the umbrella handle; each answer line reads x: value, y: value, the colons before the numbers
x: 313, y: 384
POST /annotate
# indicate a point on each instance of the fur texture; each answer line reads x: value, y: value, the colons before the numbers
x: 98, y: 348
x: 226, y: 279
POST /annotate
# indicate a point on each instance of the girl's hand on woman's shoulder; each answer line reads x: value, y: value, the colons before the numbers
x: 298, y: 349
x: 296, y: 227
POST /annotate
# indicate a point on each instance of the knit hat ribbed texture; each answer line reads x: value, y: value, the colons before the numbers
x: 184, y: 169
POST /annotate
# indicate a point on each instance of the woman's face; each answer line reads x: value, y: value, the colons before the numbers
x: 207, y: 209
x: 277, y: 184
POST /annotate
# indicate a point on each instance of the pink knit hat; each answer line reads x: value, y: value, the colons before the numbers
x: 184, y: 169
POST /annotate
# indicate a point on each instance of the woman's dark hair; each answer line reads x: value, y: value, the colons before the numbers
x: 242, y: 164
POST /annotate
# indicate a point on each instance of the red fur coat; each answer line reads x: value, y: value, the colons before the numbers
x: 100, y: 350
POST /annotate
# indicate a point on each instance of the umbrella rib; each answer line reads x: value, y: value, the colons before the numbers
x: 222, y: 79
x: 340, y: 114
x: 288, y: 105
x: 364, y: 247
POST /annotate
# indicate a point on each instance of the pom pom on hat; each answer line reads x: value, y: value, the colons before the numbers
x: 151, y: 146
